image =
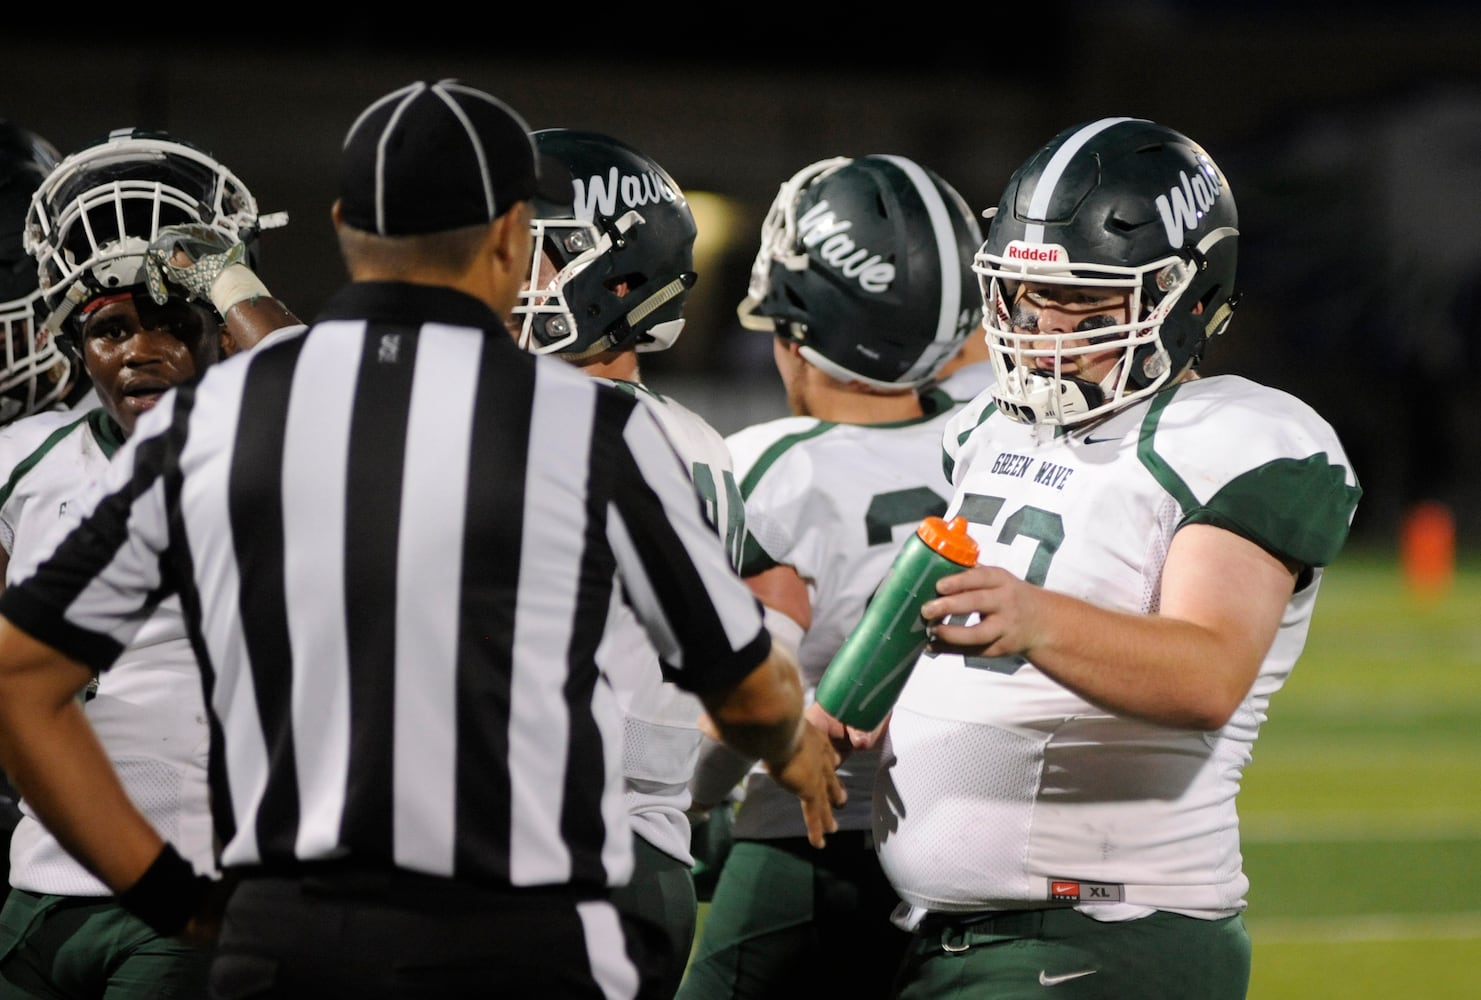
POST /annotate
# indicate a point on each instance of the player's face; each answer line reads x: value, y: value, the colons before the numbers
x: 136, y: 350
x: 1061, y: 311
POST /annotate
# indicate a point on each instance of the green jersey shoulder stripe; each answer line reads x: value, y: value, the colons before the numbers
x: 1308, y: 525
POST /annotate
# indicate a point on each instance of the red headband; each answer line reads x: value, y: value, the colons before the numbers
x: 94, y: 304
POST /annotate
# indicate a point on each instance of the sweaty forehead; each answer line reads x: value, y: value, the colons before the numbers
x: 136, y: 305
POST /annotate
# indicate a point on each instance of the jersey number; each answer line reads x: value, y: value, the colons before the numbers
x: 733, y: 507
x: 888, y: 511
x: 1043, y: 526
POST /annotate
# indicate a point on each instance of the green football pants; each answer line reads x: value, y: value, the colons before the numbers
x: 660, y: 899
x: 67, y: 947
x: 790, y: 919
x: 1061, y: 954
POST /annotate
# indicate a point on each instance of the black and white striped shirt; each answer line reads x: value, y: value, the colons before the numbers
x: 397, y: 539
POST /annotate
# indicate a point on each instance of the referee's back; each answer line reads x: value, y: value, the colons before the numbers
x: 403, y: 540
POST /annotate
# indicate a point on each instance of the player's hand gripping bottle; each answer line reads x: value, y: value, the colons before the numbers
x: 866, y: 674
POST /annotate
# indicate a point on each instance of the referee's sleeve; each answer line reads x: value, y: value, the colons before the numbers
x: 704, y: 621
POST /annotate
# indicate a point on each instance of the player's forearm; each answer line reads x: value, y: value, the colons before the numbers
x: 59, y: 767
x: 252, y: 319
x: 1188, y: 667
x: 718, y: 770
x: 759, y: 718
x: 1163, y: 670
x: 53, y: 757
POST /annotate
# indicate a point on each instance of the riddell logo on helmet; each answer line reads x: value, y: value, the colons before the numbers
x: 820, y: 228
x: 597, y: 195
x: 1036, y: 253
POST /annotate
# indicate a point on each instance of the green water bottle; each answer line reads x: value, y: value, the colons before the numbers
x: 866, y: 674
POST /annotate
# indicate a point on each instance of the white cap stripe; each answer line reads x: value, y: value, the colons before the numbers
x: 448, y: 86
x: 380, y: 154
x: 473, y: 140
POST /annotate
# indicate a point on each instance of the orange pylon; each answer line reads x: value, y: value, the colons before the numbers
x: 1427, y: 548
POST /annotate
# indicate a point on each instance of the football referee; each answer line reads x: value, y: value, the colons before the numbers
x: 397, y: 539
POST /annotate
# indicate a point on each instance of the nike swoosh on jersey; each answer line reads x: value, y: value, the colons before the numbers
x: 1104, y: 440
x: 1047, y: 980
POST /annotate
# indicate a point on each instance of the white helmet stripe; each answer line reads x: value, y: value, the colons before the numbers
x: 1054, y: 170
x: 946, y: 251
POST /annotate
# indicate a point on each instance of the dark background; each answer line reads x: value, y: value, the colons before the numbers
x: 1350, y: 134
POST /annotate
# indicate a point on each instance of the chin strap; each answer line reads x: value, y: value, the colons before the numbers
x: 662, y: 335
x: 54, y: 324
x: 1042, y: 397
x: 1219, y: 319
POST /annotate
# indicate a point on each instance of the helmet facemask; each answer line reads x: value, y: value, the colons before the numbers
x: 563, y: 249
x: 36, y: 373
x: 781, y: 247
x: 1032, y: 385
x: 92, y: 221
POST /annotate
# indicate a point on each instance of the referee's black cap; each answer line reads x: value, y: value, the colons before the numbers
x: 436, y: 156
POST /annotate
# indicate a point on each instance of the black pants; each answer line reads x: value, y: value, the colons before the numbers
x: 386, y: 935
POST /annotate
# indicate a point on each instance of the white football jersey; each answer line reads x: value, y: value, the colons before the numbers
x: 1000, y: 788
x: 968, y: 382
x: 148, y: 709
x: 661, y: 736
x: 835, y: 502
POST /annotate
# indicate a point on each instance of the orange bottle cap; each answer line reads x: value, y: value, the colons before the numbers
x: 950, y: 540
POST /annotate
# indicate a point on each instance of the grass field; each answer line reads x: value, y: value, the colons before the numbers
x: 1361, y: 810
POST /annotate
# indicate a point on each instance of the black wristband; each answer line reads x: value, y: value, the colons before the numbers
x: 167, y: 895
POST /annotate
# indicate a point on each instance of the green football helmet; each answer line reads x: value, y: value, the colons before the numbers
x: 1115, y: 204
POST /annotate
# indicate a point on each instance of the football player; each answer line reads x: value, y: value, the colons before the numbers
x: 143, y: 243
x: 863, y: 281
x: 612, y: 275
x: 34, y: 373
x: 1056, y: 804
